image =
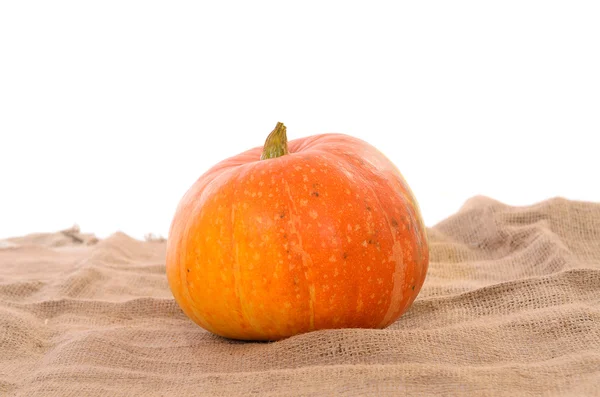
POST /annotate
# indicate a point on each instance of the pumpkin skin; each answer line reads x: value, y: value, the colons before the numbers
x: 326, y: 236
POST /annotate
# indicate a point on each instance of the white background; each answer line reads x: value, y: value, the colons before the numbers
x: 110, y: 110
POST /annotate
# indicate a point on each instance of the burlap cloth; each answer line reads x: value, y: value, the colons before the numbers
x: 511, y: 306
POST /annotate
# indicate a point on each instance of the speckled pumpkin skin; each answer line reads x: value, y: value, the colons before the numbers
x: 327, y: 236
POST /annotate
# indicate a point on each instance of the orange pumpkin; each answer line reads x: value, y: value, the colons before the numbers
x: 315, y: 233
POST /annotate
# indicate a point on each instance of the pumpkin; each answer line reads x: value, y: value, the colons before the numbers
x: 321, y: 232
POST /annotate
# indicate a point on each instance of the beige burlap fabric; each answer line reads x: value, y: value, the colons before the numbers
x: 510, y: 307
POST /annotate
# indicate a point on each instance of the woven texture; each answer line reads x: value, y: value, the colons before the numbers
x: 510, y: 306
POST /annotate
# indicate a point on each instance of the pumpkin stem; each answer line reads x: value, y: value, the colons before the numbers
x: 276, y: 143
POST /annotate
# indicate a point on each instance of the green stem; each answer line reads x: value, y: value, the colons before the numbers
x: 276, y: 143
